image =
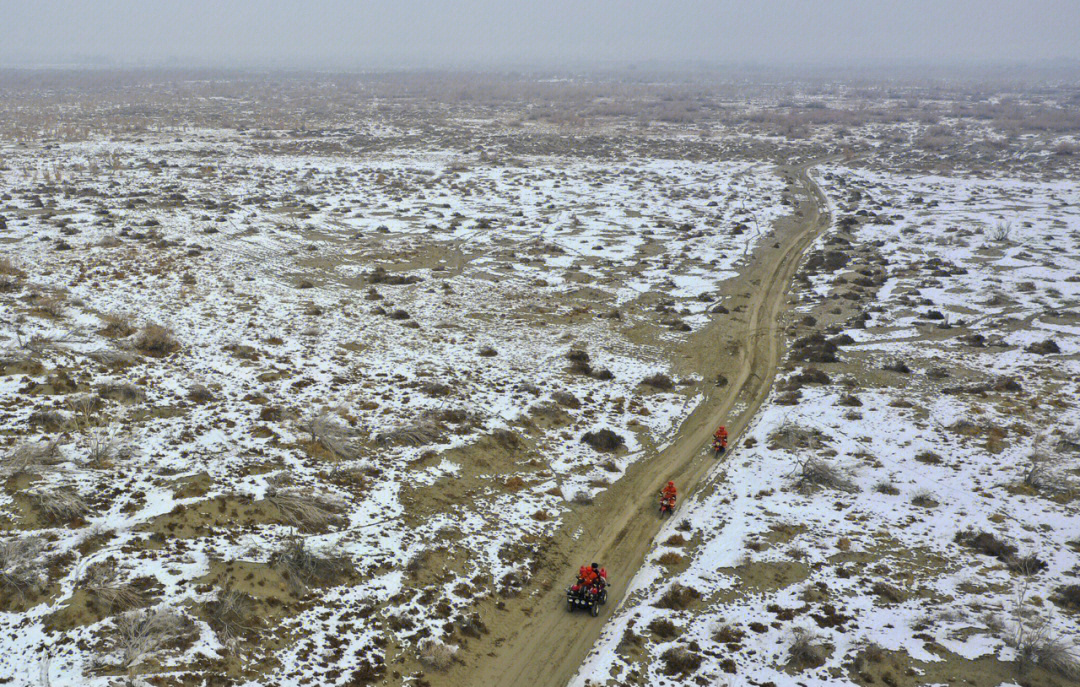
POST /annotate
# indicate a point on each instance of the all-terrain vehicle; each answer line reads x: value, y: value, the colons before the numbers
x: 719, y: 446
x: 588, y: 595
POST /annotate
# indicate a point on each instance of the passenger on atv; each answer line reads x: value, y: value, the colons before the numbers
x: 590, y: 590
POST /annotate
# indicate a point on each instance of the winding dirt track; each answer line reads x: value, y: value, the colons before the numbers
x: 541, y: 644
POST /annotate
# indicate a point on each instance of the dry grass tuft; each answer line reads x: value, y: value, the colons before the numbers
x: 806, y: 650
x: 305, y: 511
x: 155, y: 340
x: 678, y: 597
x: 31, y: 458
x: 22, y: 574
x: 327, y: 431
x: 60, y: 505
x: 434, y: 654
x: 116, y: 326
x: 102, y: 580
x: 680, y: 661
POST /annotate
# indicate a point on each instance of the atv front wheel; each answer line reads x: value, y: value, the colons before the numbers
x: 594, y: 609
x: 603, y: 596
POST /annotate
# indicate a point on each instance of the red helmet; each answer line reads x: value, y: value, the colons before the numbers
x: 671, y: 484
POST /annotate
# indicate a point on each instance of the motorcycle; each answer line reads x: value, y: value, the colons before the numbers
x: 667, y: 504
x: 590, y: 597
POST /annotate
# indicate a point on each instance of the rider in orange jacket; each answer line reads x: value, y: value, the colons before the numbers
x: 669, y: 491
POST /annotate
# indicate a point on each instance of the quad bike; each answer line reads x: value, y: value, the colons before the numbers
x: 586, y: 596
x: 719, y: 446
x: 667, y: 504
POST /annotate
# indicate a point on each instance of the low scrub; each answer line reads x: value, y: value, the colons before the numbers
x: 678, y: 597
x: 303, y: 568
x: 603, y: 440
x: 680, y: 661
x: 155, y: 340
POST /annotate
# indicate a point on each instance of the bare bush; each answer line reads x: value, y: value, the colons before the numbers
x: 680, y: 661
x: 31, y: 458
x: 806, y: 650
x: 327, y: 431
x: 659, y: 381
x: 434, y: 654
x: 103, y: 581
x: 678, y: 597
x: 792, y: 437
x: 1001, y: 231
x: 116, y: 325
x: 141, y: 633
x: 302, y: 567
x: 155, y: 340
x: 426, y: 429
x: 817, y: 472
x: 21, y: 572
x: 230, y: 615
x: 199, y: 393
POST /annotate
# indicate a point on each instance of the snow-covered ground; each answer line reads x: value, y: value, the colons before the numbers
x: 297, y: 365
x: 943, y: 392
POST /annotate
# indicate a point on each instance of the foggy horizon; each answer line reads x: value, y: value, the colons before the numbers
x: 486, y: 34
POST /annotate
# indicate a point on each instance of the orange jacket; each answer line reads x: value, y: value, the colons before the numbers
x: 669, y: 492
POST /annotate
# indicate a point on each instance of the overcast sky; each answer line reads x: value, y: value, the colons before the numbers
x: 461, y: 33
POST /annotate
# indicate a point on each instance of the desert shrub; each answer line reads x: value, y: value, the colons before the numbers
x: 434, y: 654
x: 1068, y: 596
x: 806, y: 650
x: 726, y: 634
x: 141, y: 633
x: 327, y: 431
x: 817, y: 472
x: 663, y: 628
x: 577, y: 355
x: 230, y: 615
x: 810, y: 375
x: 582, y: 497
x: 1045, y: 347
x: 898, y: 366
x: 929, y: 458
x: 670, y: 558
x: 305, y: 511
x: 200, y: 393
x: 886, y: 488
x: 678, y: 597
x: 22, y: 573
x: 659, y: 381
x: 30, y: 458
x: 1036, y: 645
x: 814, y: 348
x: 987, y: 544
x: 102, y: 580
x: 302, y: 567
x: 565, y: 399
x: 849, y: 401
x: 60, y: 505
x: 680, y: 661
x: 48, y: 419
x: 924, y: 499
x: 116, y: 325
x: 155, y: 340
x: 675, y: 540
x: 603, y: 440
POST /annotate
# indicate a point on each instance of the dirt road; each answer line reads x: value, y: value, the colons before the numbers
x: 536, y: 642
